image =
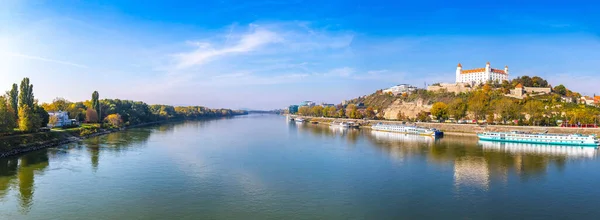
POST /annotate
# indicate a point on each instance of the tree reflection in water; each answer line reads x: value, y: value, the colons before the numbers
x: 117, y: 142
x: 20, y: 172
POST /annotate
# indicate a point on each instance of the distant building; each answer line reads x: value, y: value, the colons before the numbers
x: 454, y: 87
x: 597, y: 99
x: 480, y: 75
x: 326, y: 104
x: 62, y: 119
x: 293, y: 109
x: 307, y: 103
x: 587, y: 100
x: 521, y: 91
x: 399, y: 89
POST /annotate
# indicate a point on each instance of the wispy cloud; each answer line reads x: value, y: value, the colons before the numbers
x: 205, y: 51
x: 246, y: 78
x: 341, y: 72
x: 46, y: 60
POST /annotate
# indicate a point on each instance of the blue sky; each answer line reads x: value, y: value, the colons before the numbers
x: 269, y: 54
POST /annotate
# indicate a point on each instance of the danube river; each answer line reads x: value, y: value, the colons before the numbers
x: 264, y: 167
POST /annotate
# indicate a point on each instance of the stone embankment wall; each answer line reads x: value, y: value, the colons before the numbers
x: 469, y: 129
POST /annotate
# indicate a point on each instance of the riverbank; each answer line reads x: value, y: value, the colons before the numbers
x: 19, y: 144
x: 463, y: 129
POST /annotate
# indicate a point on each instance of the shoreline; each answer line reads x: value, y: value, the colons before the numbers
x: 462, y: 129
x: 67, y: 139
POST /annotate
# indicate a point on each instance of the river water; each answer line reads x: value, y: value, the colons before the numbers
x: 264, y: 167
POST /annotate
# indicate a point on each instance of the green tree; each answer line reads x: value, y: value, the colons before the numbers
x: 561, y: 89
x: 506, y: 109
x: 96, y: 104
x: 535, y: 110
x: 13, y: 99
x: 440, y: 111
x: 42, y: 116
x: 457, y: 109
x: 7, y: 116
x: 28, y: 120
x: 26, y: 94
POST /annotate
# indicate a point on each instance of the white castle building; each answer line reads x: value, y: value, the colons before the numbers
x: 480, y: 75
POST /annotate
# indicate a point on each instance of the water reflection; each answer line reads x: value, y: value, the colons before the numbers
x: 117, y: 142
x: 475, y: 163
x: 522, y: 148
x: 20, y: 172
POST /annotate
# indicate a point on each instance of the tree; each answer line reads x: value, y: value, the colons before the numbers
x: 561, y: 89
x: 13, y: 99
x: 28, y: 120
x: 440, y: 111
x: 457, y: 109
x: 423, y: 116
x: 7, y: 116
x: 478, y: 104
x: 304, y: 110
x: 96, y: 103
x: 370, y: 113
x: 26, y: 94
x: 341, y: 113
x: 59, y: 104
x: 91, y: 116
x: 351, y: 111
x: 316, y: 111
x: 539, y: 82
x: 506, y: 109
x: 42, y: 116
x: 114, y: 120
x: 331, y: 111
x: 490, y: 117
x: 535, y: 110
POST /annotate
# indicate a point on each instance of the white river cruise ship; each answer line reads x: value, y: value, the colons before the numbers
x: 407, y: 129
x: 541, y: 138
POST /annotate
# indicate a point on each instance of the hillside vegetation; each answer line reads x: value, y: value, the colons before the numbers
x: 488, y: 102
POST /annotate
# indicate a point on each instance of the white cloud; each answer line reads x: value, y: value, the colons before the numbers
x: 205, y: 51
x: 46, y: 60
x: 341, y: 72
x: 247, y: 78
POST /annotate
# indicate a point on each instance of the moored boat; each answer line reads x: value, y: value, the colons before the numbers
x: 299, y: 120
x: 339, y: 124
x: 541, y: 138
x: 407, y: 129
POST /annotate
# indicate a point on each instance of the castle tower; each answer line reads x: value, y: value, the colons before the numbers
x: 488, y: 69
x: 458, y: 72
x: 506, y: 70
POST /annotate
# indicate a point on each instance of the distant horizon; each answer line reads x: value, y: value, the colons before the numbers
x: 268, y: 55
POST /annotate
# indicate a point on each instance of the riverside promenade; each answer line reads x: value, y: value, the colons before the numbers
x: 463, y: 129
